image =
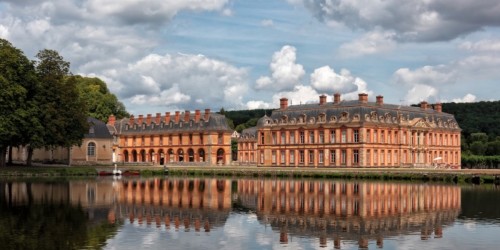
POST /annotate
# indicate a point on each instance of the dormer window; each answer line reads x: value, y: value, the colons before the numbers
x: 91, y: 130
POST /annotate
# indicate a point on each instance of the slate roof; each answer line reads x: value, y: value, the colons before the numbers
x: 100, y: 130
x: 215, y: 122
x: 365, y: 111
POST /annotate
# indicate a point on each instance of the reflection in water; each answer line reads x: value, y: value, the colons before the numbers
x: 356, y: 211
x: 331, y: 212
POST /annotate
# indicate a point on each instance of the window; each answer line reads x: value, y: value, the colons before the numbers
x: 343, y: 157
x: 282, y: 156
x: 375, y: 136
x: 332, y: 136
x: 311, y: 156
x: 301, y: 156
x: 368, y: 159
x: 311, y: 136
x: 262, y: 138
x: 91, y: 130
x: 273, y: 154
x: 142, y: 140
x: 321, y: 136
x: 375, y: 157
x: 382, y: 157
x: 170, y: 140
x: 355, y: 156
x: 274, y: 137
x: 301, y: 136
x: 356, y: 135
x: 161, y: 140
x: 389, y: 137
x: 368, y: 136
x: 321, y: 156
x: 261, y: 157
x: 190, y: 139
x: 283, y: 137
x: 382, y: 137
x: 292, y: 157
x: 220, y: 138
x: 180, y: 139
x: 151, y: 140
x: 292, y: 137
x: 91, y: 149
x: 343, y: 136
x: 332, y: 156
x: 389, y: 154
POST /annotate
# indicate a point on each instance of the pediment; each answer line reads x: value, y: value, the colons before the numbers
x: 420, y: 123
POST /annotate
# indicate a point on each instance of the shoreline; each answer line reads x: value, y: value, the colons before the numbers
x: 474, y: 176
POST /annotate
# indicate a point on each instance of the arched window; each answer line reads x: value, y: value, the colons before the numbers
x: 91, y: 149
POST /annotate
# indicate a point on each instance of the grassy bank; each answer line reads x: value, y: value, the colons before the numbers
x: 451, y: 176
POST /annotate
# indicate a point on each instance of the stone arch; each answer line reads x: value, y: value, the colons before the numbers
x: 143, y: 155
x: 180, y: 155
x: 190, y: 154
x: 170, y: 155
x: 220, y: 156
x: 125, y: 156
x: 201, y: 154
x: 151, y: 156
x: 161, y: 157
x: 134, y: 155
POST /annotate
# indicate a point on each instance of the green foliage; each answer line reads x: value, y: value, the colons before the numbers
x: 243, y: 119
x: 479, y: 117
x: 99, y: 101
x: 480, y: 161
x: 64, y: 113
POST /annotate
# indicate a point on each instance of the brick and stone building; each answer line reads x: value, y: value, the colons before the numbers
x: 179, y: 138
x: 355, y: 133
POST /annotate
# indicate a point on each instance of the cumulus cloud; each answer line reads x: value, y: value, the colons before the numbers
x: 172, y: 81
x: 418, y: 20
x: 429, y: 75
x: 467, y: 98
x: 370, y: 43
x: 4, y: 32
x: 325, y: 79
x: 285, y: 72
x: 421, y: 92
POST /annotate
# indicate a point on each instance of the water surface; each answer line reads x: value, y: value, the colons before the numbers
x: 208, y: 213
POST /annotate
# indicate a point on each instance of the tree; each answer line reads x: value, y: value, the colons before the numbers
x: 64, y: 113
x: 100, y: 102
x: 18, y: 87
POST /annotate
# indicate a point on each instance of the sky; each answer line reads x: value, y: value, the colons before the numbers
x: 168, y: 55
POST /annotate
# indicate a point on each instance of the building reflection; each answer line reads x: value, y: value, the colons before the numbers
x: 335, y: 211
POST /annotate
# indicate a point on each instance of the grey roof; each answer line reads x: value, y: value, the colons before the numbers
x: 99, y: 129
x: 215, y: 122
x: 249, y: 133
x: 365, y: 112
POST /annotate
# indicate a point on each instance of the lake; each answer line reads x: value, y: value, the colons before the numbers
x: 217, y: 213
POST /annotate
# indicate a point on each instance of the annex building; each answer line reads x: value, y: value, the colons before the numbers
x: 355, y: 133
x: 180, y: 138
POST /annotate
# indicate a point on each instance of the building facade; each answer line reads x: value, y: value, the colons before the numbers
x: 182, y: 138
x: 96, y: 148
x: 354, y: 133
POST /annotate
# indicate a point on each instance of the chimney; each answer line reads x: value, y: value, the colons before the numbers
x: 186, y: 116
x: 322, y: 99
x: 167, y: 117
x: 363, y: 98
x: 139, y: 121
x: 283, y: 103
x: 111, y: 120
x: 158, y: 118
x: 148, y: 119
x: 438, y: 107
x: 423, y: 105
x: 131, y: 121
x: 197, y: 115
x: 380, y: 100
x: 177, y: 117
x: 336, y: 98
x: 207, y: 114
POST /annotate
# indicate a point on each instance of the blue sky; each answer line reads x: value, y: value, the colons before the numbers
x: 167, y: 55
